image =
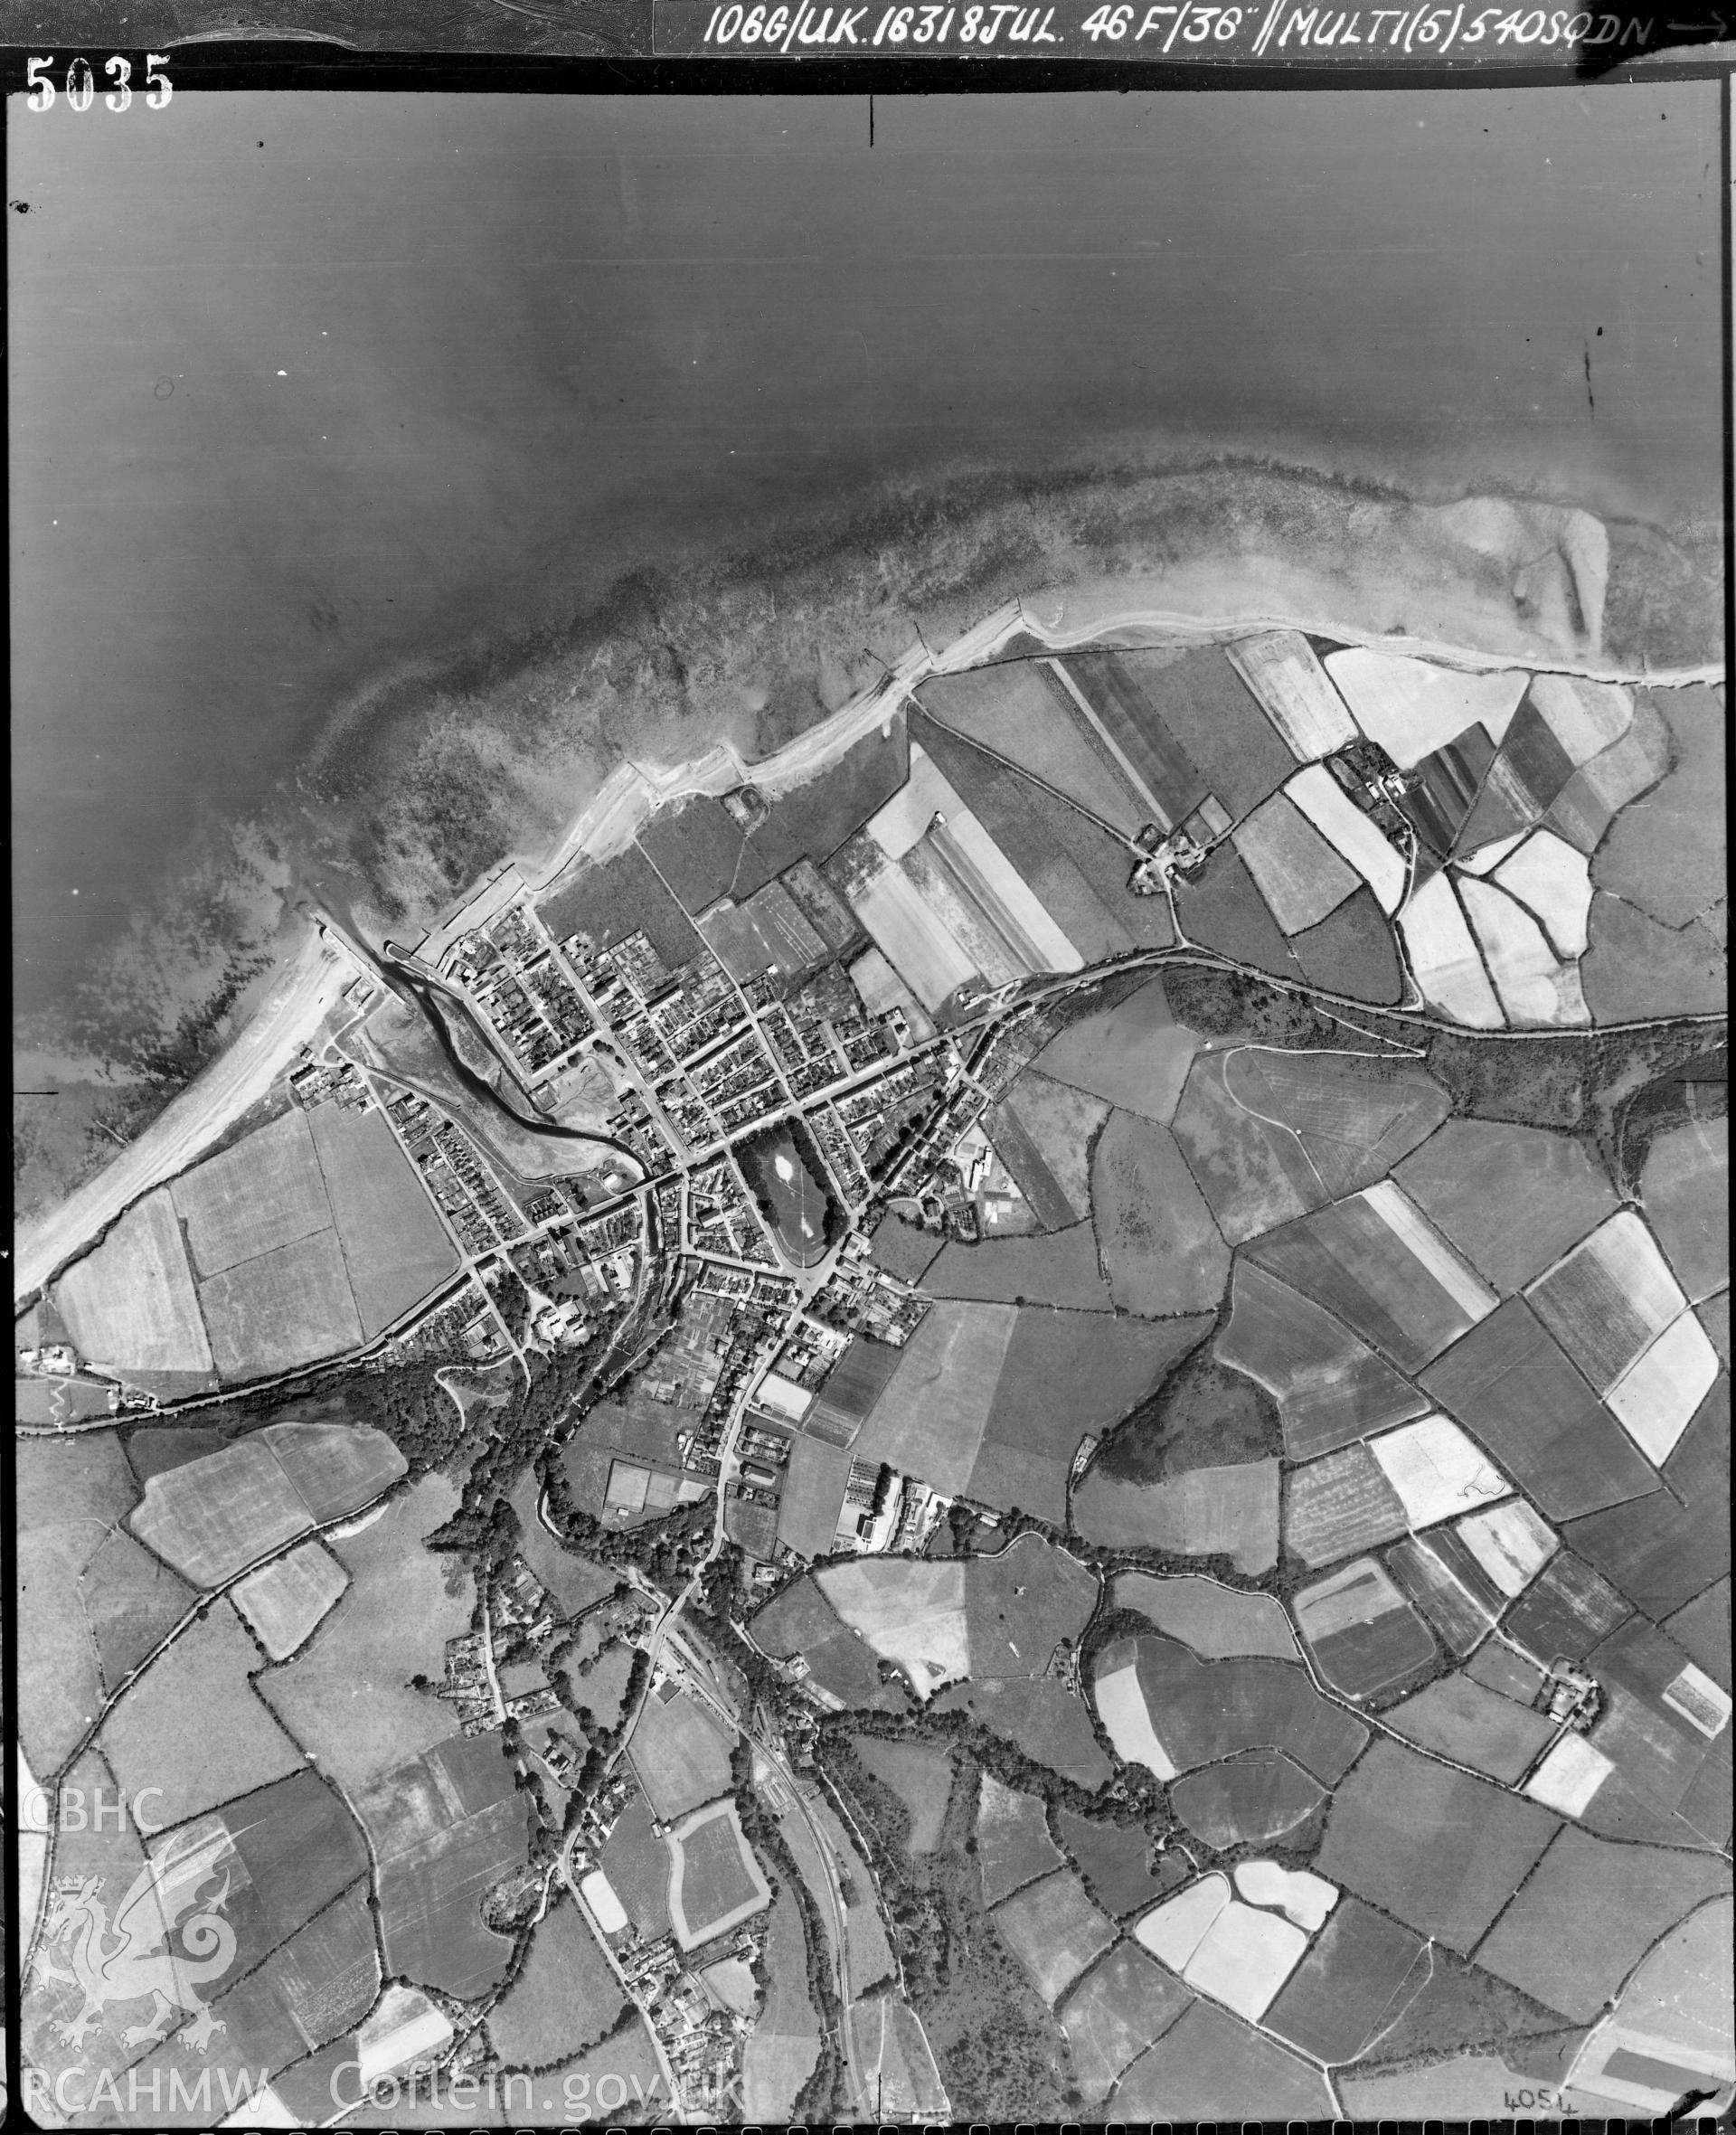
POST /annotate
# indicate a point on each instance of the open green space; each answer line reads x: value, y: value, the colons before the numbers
x: 1114, y: 2014
x: 566, y: 1996
x: 1437, y: 1849
x: 347, y: 1696
x: 678, y: 1753
x: 1054, y: 1931
x: 70, y: 1493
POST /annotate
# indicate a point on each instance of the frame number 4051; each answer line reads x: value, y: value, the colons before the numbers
x: 80, y: 86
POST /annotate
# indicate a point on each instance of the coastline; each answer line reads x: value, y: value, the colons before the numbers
x: 300, y: 994
x: 1136, y: 609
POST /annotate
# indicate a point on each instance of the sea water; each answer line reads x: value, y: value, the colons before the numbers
x: 308, y: 390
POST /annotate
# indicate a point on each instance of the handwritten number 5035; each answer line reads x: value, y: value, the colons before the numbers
x: 81, y: 83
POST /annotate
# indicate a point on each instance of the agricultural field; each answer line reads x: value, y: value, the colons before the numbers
x: 1377, y: 1263
x: 1210, y: 2066
x: 1359, y: 1976
x: 785, y: 2045
x: 1329, y: 1387
x: 987, y: 1617
x: 289, y: 1850
x: 1160, y: 1246
x: 1043, y: 1132
x: 678, y: 1754
x: 1516, y: 1390
x: 1473, y: 1725
x: 930, y: 1419
x: 198, y: 1690
x: 1254, y: 1175
x: 1438, y: 1850
x: 991, y: 1400
x: 1512, y: 1199
x: 1115, y: 2013
x: 131, y: 1305
x: 1134, y: 1056
x: 1054, y: 1931
x: 1066, y: 1376
x: 445, y: 1827
x: 801, y: 1621
x: 214, y: 1515
x: 892, y: 2049
x: 635, y: 1861
x: 1216, y: 1621
x: 1211, y: 1512
x: 283, y: 1309
x: 1012, y: 1843
x: 307, y: 1237
x: 1253, y: 1799
x: 1685, y: 1187
x: 565, y: 1998
x: 1198, y: 1712
x: 264, y: 1193
x: 70, y: 1495
x: 1337, y: 1506
x: 129, y: 1601
x: 1040, y: 1718
x: 1017, y: 710
x: 1059, y: 1269
x: 1588, y: 1914
x: 395, y: 1248
x: 282, y: 1603
x: 1077, y: 869
x: 347, y: 1697
x: 1364, y: 1635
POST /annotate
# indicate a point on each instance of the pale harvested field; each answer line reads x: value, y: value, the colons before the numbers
x: 266, y: 1192
x: 912, y: 1614
x: 132, y: 1301
x: 193, y: 1725
x: 347, y: 1697
x: 922, y: 950
x: 284, y: 1308
x: 285, y: 1600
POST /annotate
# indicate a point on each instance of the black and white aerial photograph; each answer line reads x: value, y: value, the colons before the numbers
x: 871, y: 1232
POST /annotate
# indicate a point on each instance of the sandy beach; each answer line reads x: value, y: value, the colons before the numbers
x: 1551, y: 621
x: 290, y: 1013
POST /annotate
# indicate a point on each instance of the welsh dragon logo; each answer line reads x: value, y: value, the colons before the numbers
x: 133, y: 1957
